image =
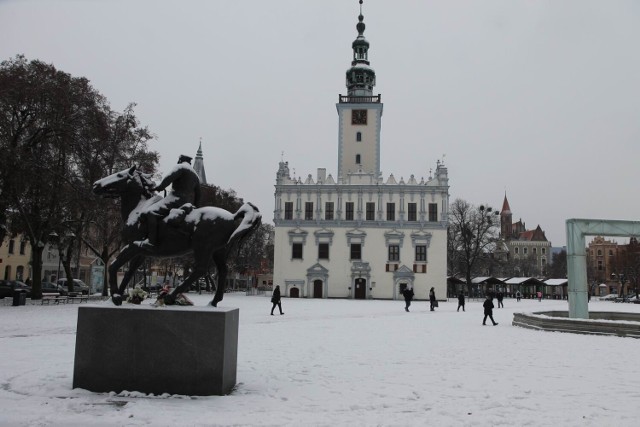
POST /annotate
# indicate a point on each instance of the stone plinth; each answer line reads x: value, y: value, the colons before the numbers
x: 176, y: 350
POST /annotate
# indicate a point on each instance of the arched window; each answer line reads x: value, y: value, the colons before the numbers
x: 357, y: 159
x: 359, y: 136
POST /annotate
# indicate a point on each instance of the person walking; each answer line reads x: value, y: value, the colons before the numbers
x: 488, y: 311
x: 461, y: 301
x: 275, y: 299
x: 518, y: 296
x: 432, y: 299
x: 500, y: 296
x: 408, y: 296
x: 539, y: 296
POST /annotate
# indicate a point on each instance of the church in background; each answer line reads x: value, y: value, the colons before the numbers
x: 529, y: 248
x: 357, y: 234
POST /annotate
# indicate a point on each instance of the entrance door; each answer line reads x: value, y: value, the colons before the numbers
x: 294, y: 293
x: 317, y: 288
x: 361, y: 288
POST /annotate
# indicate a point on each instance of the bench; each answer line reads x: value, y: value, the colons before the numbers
x: 56, y: 298
x: 77, y: 296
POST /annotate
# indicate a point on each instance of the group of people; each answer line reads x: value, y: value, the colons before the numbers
x: 408, y: 295
x: 433, y: 302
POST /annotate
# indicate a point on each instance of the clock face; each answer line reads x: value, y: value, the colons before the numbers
x: 358, y: 117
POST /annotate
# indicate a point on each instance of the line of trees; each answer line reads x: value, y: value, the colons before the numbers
x: 58, y: 135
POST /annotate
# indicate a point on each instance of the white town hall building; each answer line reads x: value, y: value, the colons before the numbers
x: 358, y: 235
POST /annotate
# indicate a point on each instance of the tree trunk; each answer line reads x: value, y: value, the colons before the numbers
x: 36, y: 265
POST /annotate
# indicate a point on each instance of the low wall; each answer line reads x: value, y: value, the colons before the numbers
x: 599, y: 323
x: 175, y: 350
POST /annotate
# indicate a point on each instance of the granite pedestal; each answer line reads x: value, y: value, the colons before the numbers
x: 177, y: 350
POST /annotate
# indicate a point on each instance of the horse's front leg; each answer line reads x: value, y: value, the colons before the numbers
x: 123, y: 257
x: 220, y: 259
x: 134, y: 264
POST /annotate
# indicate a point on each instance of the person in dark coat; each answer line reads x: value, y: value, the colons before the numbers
x: 488, y: 311
x: 461, y: 301
x: 432, y: 299
x: 500, y: 296
x: 408, y: 296
x: 275, y: 299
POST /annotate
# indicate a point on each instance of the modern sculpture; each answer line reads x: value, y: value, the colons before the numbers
x: 206, y: 232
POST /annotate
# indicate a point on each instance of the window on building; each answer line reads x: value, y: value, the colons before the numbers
x: 308, y: 210
x: 391, y: 211
x: 600, y: 265
x: 371, y: 211
x: 349, y: 211
x: 328, y: 210
x: 610, y: 252
x: 515, y: 250
x: 356, y: 251
x: 359, y: 136
x: 412, y: 212
x: 524, y: 251
x: 433, y: 212
x: 544, y: 251
x: 358, y: 159
x: 394, y: 253
x: 421, y: 253
x: 323, y: 251
x: 535, y: 251
x: 288, y: 210
x: 599, y: 252
x: 23, y: 245
x: 12, y: 244
x: 296, y: 251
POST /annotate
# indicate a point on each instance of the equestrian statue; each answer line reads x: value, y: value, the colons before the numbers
x: 159, y: 227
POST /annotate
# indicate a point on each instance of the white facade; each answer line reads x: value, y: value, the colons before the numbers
x: 360, y: 236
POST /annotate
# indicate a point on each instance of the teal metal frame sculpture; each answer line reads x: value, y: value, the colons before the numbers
x: 577, y: 229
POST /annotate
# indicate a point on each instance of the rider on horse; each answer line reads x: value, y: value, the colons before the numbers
x: 185, y: 188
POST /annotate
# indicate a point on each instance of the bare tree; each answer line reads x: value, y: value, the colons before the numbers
x: 472, y: 235
x: 57, y: 135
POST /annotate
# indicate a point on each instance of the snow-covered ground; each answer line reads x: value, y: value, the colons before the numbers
x: 346, y: 362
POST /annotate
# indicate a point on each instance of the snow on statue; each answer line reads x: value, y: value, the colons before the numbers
x: 207, y: 233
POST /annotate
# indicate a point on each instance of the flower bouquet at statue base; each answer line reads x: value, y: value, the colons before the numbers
x: 136, y: 295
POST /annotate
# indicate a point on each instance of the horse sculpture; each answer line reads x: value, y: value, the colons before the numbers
x: 207, y: 232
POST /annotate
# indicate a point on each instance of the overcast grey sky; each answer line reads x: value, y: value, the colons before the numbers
x: 536, y: 98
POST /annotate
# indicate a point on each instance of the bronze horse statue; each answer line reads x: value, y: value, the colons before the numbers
x: 208, y: 233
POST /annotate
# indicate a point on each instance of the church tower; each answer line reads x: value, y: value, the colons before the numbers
x: 198, y: 165
x: 506, y: 220
x: 359, y: 115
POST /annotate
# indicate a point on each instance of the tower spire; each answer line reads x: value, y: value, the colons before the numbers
x: 198, y: 165
x: 361, y: 78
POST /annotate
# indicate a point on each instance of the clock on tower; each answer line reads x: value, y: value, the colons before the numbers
x: 358, y: 117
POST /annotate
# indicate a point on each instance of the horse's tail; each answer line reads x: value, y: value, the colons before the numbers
x: 251, y: 220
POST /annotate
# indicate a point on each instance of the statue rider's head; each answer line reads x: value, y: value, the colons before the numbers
x: 184, y: 158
